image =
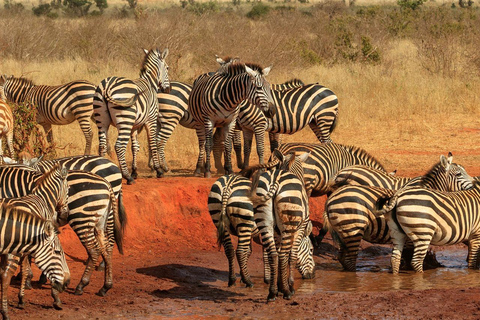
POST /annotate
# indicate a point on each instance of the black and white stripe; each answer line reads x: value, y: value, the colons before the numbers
x: 56, y: 105
x: 214, y: 101
x: 129, y: 105
x: 23, y: 233
x: 6, y: 127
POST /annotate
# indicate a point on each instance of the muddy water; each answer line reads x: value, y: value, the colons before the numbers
x: 373, y: 275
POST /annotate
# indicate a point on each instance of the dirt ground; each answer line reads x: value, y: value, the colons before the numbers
x: 172, y: 268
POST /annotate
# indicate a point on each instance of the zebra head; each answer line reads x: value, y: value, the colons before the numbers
x: 305, y: 263
x: 14, y: 89
x: 225, y: 62
x: 155, y: 65
x: 260, y: 93
x: 51, y: 258
x: 447, y: 176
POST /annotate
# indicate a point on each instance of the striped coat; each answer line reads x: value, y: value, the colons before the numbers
x: 55, y: 105
x: 6, y: 127
x: 214, y: 103
x: 129, y: 105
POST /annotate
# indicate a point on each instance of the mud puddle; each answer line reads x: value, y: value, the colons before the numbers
x: 373, y: 274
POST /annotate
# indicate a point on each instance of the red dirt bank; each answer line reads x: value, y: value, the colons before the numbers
x: 172, y: 268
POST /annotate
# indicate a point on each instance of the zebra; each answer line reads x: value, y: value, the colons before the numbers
x: 48, y: 197
x: 95, y: 216
x: 6, y: 126
x: 214, y: 102
x: 349, y: 210
x: 301, y: 105
x: 325, y: 161
x: 55, y: 105
x: 130, y: 104
x: 252, y: 121
x: 24, y: 233
x: 280, y: 203
x: 427, y: 216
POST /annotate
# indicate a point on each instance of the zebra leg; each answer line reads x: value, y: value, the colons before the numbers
x: 27, y: 275
x: 270, y: 250
x: 208, y: 147
x: 86, y: 128
x: 164, y: 132
x: 107, y: 258
x: 230, y: 254
x: 135, y: 150
x: 10, y: 143
x: 6, y: 276
x: 227, y: 156
x: 319, y: 128
x: 350, y: 250
x: 200, y: 130
x: 237, y: 147
x: 243, y: 253
x: 473, y: 248
x: 218, y: 149
x: 120, y: 149
x: 419, y: 252
x: 151, y: 127
x: 284, y: 257
x: 89, y: 241
x: 266, y: 268
x: 247, y: 138
x: 260, y: 138
x: 398, y: 240
x: 275, y: 140
x: 47, y: 127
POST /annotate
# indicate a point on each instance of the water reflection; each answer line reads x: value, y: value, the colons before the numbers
x: 373, y: 275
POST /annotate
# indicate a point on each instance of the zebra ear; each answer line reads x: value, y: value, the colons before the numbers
x: 145, y: 50
x: 303, y: 157
x: 3, y: 79
x: 308, y: 228
x: 49, y: 229
x: 164, y: 54
x: 279, y: 155
x: 63, y: 172
x: 394, y: 172
x: 266, y: 71
x: 250, y: 71
x: 446, y: 162
x: 219, y: 60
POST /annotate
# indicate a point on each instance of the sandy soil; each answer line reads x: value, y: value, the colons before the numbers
x: 172, y: 268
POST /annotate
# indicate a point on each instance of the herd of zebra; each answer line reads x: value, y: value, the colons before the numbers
x: 268, y: 200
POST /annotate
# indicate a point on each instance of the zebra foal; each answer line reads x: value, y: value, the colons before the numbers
x: 129, y: 105
x: 24, y: 233
x: 427, y: 216
x: 55, y: 105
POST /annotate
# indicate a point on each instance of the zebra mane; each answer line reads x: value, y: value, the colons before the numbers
x: 147, y: 56
x: 294, y: 82
x: 363, y: 154
x: 22, y: 81
x: 239, y: 68
x: 47, y: 175
x: 431, y: 174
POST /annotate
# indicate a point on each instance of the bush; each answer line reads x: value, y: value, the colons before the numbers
x: 13, y: 7
x: 410, y: 4
x: 200, y: 8
x: 258, y: 11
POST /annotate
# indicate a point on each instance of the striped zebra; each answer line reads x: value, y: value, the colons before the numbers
x: 310, y: 105
x: 47, y: 200
x: 55, y: 105
x: 324, y: 162
x: 280, y: 203
x: 349, y: 210
x: 6, y: 126
x: 232, y: 213
x: 427, y: 216
x: 95, y: 216
x: 251, y: 121
x: 129, y: 105
x: 24, y: 233
x: 214, y: 103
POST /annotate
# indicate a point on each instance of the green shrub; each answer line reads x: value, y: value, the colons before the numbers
x: 410, y: 4
x: 258, y: 11
x: 202, y: 8
x: 370, y: 53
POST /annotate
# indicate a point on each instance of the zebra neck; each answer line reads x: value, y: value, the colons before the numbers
x: 152, y: 81
x: 20, y: 94
x: 236, y: 90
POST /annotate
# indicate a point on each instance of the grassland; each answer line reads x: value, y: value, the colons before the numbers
x: 407, y: 80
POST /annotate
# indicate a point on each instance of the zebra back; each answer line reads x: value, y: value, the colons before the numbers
x: 325, y: 160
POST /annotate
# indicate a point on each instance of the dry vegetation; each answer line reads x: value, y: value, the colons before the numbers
x: 406, y: 79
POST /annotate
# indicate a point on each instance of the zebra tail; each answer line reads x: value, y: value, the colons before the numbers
x: 123, y: 102
x: 120, y: 221
x: 385, y: 204
x: 327, y: 227
x: 256, y: 199
x: 248, y: 172
x: 223, y: 220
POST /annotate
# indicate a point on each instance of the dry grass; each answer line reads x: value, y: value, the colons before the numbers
x: 400, y: 104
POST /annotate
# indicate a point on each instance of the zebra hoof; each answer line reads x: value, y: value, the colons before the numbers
x: 134, y: 174
x: 78, y: 292
x: 57, y: 305
x: 249, y: 284
x: 28, y: 285
x: 21, y: 305
x: 130, y: 181
x: 231, y: 282
x: 159, y: 174
x: 207, y: 175
x: 287, y: 295
x: 272, y: 296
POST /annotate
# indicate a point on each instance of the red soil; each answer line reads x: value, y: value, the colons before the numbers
x: 173, y: 268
